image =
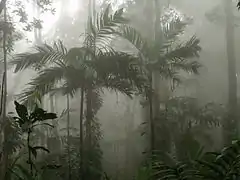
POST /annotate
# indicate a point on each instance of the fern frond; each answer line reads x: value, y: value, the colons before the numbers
x: 223, y: 166
x: 181, y: 171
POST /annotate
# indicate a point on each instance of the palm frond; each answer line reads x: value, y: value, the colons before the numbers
x: 122, y: 86
x: 173, y: 29
x: 135, y: 38
x: 179, y: 58
x: 50, y: 76
x: 105, y: 21
x: 187, y: 66
x: 40, y: 57
x: 121, y: 66
x: 106, y: 26
x: 30, y: 96
x: 183, y: 51
x: 41, y: 85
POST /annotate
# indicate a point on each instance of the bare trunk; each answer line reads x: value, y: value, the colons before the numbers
x: 155, y: 78
x: 232, y: 79
x: 4, y: 100
x: 151, y: 118
x: 68, y: 138
x: 81, y: 134
x: 89, y: 118
x: 54, y: 122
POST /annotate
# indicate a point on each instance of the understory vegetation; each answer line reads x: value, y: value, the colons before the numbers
x: 55, y: 130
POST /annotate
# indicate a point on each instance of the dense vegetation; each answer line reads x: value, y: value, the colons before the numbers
x: 116, y: 53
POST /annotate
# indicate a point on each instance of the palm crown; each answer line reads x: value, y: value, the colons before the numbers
x: 94, y: 64
x: 164, y: 55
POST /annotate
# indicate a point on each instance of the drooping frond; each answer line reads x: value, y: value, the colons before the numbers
x: 40, y: 57
x: 187, y: 66
x: 179, y: 58
x: 30, y: 96
x: 135, y: 38
x: 42, y: 85
x: 122, y: 86
x: 120, y: 66
x: 49, y: 77
x: 183, y: 51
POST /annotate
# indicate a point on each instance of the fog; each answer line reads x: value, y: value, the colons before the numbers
x: 131, y: 89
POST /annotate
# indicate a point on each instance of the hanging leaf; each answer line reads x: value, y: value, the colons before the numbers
x: 21, y: 111
x: 41, y: 115
x: 48, y: 116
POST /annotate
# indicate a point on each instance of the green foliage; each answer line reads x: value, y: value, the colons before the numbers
x: 183, y: 128
x: 14, y: 139
x: 221, y: 166
x: 27, y: 121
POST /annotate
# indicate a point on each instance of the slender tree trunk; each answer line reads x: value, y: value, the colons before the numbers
x: 81, y: 135
x: 151, y: 118
x: 89, y: 118
x: 54, y: 122
x: 155, y: 78
x: 89, y: 110
x: 4, y: 100
x: 68, y: 138
x: 29, y: 153
x: 232, y: 79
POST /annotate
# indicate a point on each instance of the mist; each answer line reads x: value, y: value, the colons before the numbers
x: 119, y: 89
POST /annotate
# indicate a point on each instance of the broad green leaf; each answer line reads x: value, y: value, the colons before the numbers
x: 21, y: 111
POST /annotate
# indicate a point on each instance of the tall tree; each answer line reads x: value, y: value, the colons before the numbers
x: 162, y: 54
x: 4, y: 97
x: 228, y: 19
x: 232, y: 78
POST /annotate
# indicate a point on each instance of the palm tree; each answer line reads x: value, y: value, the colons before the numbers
x: 90, y: 68
x: 163, y: 55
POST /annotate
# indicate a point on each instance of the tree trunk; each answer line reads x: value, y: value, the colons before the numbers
x: 89, y: 118
x: 54, y: 121
x: 81, y: 134
x: 232, y: 79
x: 68, y: 138
x: 155, y: 77
x: 4, y: 100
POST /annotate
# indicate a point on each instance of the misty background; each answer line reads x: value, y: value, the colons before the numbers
x: 123, y: 136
